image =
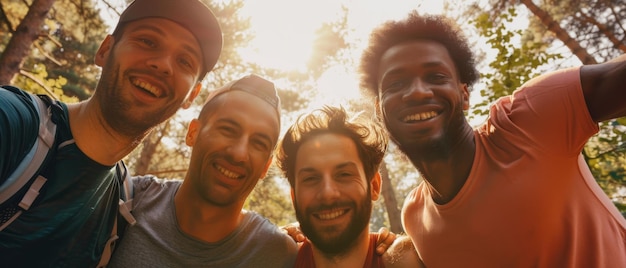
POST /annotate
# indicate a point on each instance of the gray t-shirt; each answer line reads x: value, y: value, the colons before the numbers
x: 157, y: 241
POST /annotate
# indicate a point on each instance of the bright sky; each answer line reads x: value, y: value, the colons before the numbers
x: 285, y: 29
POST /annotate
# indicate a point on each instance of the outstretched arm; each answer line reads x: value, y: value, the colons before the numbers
x: 604, y: 87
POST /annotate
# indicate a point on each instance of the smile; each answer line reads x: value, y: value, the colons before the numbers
x: 333, y: 214
x: 419, y: 117
x: 228, y: 173
x: 146, y: 87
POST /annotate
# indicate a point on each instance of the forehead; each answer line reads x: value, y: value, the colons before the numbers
x: 167, y: 30
x: 326, y: 150
x: 414, y: 54
x: 248, y: 111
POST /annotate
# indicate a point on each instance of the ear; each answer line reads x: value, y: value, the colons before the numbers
x: 293, y: 198
x: 104, y: 50
x: 375, y: 186
x: 466, y: 96
x: 192, y: 132
x: 192, y: 96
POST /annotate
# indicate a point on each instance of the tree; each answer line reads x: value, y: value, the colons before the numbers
x: 26, y: 32
x: 51, y: 50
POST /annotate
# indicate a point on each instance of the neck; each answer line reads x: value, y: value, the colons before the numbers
x: 202, y: 220
x: 95, y: 137
x: 353, y: 257
x: 445, y: 170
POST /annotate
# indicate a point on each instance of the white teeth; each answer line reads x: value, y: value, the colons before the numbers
x: 148, y: 87
x: 227, y: 173
x: 331, y: 215
x: 420, y: 116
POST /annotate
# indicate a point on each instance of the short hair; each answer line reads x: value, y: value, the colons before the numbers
x: 368, y: 135
x: 435, y: 28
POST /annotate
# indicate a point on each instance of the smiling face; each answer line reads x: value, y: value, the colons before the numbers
x: 232, y: 148
x: 147, y: 74
x: 420, y: 96
x: 332, y: 197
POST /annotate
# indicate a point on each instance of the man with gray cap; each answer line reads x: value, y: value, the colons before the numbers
x: 152, y: 65
x: 200, y: 221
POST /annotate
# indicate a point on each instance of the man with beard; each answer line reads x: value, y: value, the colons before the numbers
x: 200, y: 221
x: 152, y: 65
x: 514, y: 191
x: 332, y: 164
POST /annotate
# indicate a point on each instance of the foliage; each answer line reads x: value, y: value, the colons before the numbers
x: 512, y: 65
x: 271, y: 198
x: 70, y: 36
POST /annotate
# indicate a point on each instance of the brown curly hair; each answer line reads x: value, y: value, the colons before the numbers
x: 368, y: 135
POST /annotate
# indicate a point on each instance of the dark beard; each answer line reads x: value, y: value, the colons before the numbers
x: 347, y: 239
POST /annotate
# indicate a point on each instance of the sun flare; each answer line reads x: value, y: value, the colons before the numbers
x: 285, y: 30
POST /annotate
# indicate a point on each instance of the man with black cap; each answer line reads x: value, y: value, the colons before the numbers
x: 200, y: 221
x: 152, y: 65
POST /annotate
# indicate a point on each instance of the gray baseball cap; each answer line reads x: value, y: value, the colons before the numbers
x: 191, y: 14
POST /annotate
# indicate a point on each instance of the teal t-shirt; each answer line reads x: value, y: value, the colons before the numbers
x: 73, y: 216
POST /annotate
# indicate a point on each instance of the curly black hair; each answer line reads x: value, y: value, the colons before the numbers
x: 417, y: 27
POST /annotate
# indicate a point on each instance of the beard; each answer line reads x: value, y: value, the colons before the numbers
x: 347, y: 238
x: 118, y: 110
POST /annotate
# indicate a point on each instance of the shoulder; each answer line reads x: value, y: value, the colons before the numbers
x: 402, y: 253
x: 255, y: 221
x: 19, y: 125
x: 262, y: 227
x: 151, y: 185
x: 17, y: 107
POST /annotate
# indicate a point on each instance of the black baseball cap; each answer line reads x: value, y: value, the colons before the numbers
x: 191, y: 14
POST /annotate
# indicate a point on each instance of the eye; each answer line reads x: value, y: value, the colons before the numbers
x: 261, y: 145
x: 395, y: 85
x: 185, y: 62
x: 227, y: 131
x: 147, y: 42
x: 309, y: 179
x: 437, y: 78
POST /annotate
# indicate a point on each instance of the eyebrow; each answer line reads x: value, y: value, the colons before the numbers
x: 339, y: 166
x: 430, y: 64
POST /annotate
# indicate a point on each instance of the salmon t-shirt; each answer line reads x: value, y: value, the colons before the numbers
x: 530, y: 199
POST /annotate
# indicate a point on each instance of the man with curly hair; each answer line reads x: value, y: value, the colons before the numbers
x: 331, y: 161
x: 514, y: 191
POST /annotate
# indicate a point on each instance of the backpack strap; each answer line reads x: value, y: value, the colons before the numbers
x: 30, y: 165
x: 124, y: 210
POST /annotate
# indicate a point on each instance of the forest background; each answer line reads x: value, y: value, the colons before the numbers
x: 47, y: 47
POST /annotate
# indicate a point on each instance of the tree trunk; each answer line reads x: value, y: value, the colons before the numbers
x: 391, y: 203
x: 26, y: 33
x: 560, y: 33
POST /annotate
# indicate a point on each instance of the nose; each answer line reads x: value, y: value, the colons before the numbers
x: 328, y: 191
x: 238, y: 151
x: 417, y: 90
x: 162, y: 63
